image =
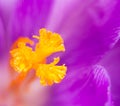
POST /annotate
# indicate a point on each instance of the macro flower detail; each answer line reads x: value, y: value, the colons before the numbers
x: 30, y: 62
x: 25, y: 58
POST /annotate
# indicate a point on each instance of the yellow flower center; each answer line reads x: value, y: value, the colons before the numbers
x: 24, y: 58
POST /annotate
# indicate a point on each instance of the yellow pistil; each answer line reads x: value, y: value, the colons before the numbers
x: 24, y: 58
x: 51, y: 73
x: 48, y: 44
x: 21, y: 57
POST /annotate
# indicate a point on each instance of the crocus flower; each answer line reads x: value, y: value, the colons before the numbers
x: 90, y: 30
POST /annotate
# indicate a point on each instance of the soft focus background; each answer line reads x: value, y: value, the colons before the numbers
x: 91, y: 32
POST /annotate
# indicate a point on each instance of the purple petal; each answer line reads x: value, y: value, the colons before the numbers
x: 83, y: 87
x: 2, y: 38
x: 111, y: 62
x: 89, y: 30
x: 6, y: 9
x: 28, y: 18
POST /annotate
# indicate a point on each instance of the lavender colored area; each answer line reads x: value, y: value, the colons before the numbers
x: 111, y: 62
x: 28, y: 17
x: 2, y: 41
x: 91, y: 32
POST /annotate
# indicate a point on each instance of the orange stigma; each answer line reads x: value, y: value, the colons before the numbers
x: 24, y: 58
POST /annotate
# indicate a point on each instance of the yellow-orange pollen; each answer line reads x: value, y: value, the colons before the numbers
x: 24, y: 58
